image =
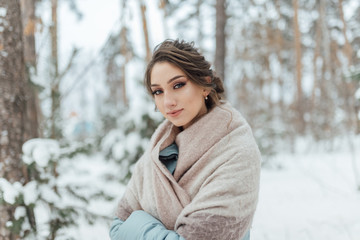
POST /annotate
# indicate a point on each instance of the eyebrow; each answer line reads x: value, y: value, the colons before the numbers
x: 169, y: 81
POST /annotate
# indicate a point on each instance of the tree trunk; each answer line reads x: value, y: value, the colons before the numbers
x: 279, y: 48
x: 29, y: 22
x: 124, y: 52
x: 347, y: 48
x: 298, y: 75
x: 220, y: 51
x: 162, y: 7
x: 12, y: 104
x: 33, y: 106
x: 350, y: 87
x: 55, y: 92
x: 123, y: 40
x: 200, y: 35
x: 145, y: 29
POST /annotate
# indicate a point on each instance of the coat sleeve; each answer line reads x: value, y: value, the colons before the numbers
x: 141, y: 225
x: 224, y: 206
x: 131, y: 222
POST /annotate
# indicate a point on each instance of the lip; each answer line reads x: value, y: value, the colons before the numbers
x: 175, y: 113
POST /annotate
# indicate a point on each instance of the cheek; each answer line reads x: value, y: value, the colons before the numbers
x: 159, y: 104
x: 194, y: 95
x: 191, y: 94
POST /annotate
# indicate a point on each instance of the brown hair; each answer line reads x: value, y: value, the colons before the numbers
x: 188, y: 59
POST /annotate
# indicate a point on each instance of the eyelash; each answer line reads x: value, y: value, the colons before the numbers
x: 179, y: 85
x: 156, y: 92
x: 176, y: 86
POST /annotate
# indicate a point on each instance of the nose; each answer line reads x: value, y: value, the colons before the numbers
x: 169, y: 100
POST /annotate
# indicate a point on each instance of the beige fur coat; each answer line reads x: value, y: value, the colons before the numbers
x: 214, y: 190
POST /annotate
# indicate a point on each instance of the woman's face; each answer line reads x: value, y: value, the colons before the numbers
x: 177, y: 98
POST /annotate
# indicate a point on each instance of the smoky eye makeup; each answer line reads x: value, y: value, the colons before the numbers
x: 179, y: 85
x: 156, y: 92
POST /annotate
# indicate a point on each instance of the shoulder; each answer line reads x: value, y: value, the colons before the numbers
x: 226, y: 118
x: 239, y: 140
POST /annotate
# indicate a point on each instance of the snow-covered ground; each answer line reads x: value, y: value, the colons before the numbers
x: 313, y: 196
x: 308, y: 195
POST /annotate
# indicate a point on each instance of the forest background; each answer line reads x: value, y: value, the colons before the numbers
x: 75, y: 117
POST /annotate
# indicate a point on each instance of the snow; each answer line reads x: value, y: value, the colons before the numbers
x: 357, y: 94
x: 9, y: 191
x: 40, y: 151
x: 3, y: 53
x: 92, y: 171
x: 3, y: 12
x: 4, y: 139
x: 30, y: 193
x: 350, y: 8
x: 19, y: 212
x: 312, y: 196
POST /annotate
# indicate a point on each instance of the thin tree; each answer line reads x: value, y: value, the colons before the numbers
x: 12, y: 104
x: 145, y: 29
x: 349, y: 86
x: 124, y: 52
x: 33, y: 107
x: 298, y: 74
x: 220, y: 51
x: 55, y: 91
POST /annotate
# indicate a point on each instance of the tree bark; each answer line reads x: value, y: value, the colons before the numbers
x: 33, y: 107
x: 123, y: 40
x: 200, y: 35
x: 12, y: 104
x: 124, y: 52
x: 220, y: 51
x: 55, y: 92
x: 162, y: 7
x: 347, y: 48
x: 145, y: 29
x: 280, y: 44
x: 350, y: 87
x: 298, y: 75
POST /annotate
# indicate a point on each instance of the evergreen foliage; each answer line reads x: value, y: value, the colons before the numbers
x: 126, y: 143
x: 57, y: 201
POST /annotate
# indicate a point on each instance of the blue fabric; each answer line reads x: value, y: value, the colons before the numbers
x: 168, y: 156
x: 145, y: 229
x: 247, y: 236
x: 114, y: 229
x: 141, y: 226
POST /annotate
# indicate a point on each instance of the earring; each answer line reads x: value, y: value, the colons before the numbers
x: 206, y: 98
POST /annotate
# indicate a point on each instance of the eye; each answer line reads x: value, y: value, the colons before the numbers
x: 156, y: 92
x: 179, y: 85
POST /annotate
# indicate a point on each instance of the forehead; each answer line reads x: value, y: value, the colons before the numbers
x: 164, y: 71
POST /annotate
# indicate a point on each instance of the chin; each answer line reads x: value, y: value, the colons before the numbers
x: 178, y: 123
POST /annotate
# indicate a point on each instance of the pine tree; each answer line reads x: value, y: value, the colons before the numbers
x: 13, y: 97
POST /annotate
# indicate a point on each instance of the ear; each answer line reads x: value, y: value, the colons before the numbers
x: 206, y: 92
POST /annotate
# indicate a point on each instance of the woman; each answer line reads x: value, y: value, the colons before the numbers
x: 199, y: 178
